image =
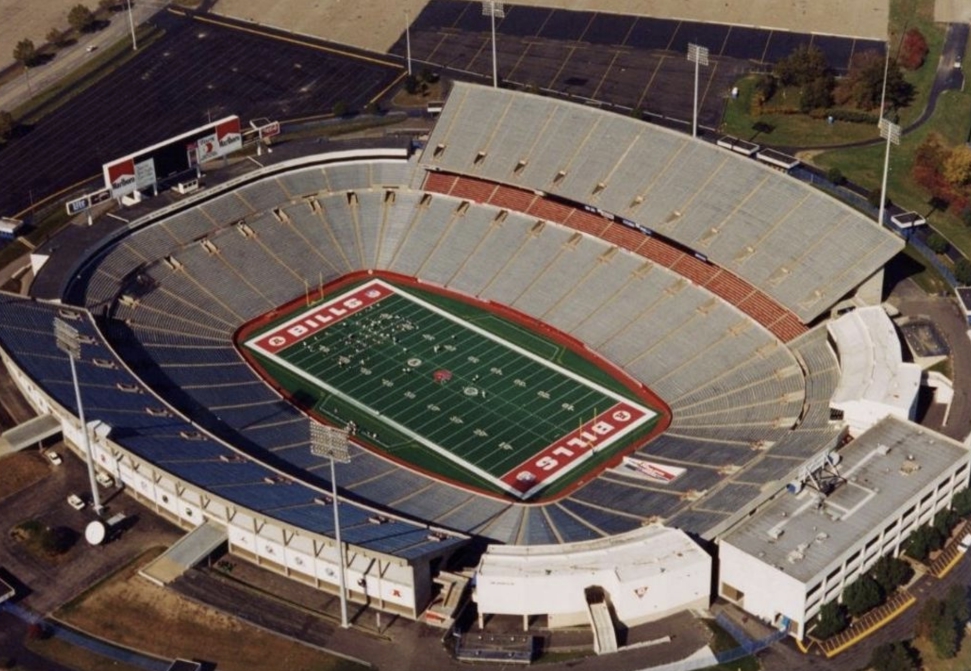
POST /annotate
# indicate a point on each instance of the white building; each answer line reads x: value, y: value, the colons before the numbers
x: 874, y: 379
x: 644, y: 575
x: 802, y: 549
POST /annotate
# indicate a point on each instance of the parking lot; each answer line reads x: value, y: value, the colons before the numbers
x: 197, y: 72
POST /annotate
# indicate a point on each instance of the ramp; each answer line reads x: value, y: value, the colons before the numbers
x: 29, y: 433
x: 185, y: 553
x: 604, y: 634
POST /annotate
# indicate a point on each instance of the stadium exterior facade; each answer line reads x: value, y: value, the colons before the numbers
x: 702, y: 274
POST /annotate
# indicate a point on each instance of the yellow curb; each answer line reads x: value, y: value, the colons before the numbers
x: 804, y: 649
x: 869, y: 630
x: 951, y: 564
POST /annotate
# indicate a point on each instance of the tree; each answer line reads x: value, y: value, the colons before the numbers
x: 956, y: 604
x: 80, y: 18
x: 106, y: 5
x: 945, y: 519
x: 925, y: 539
x: 863, y: 84
x: 938, y: 245
x: 765, y: 88
x: 25, y: 52
x: 7, y: 125
x: 862, y: 595
x: 804, y: 65
x: 962, y: 271
x: 836, y: 176
x: 831, y: 621
x: 55, y: 37
x: 891, y: 572
x: 412, y: 85
x: 895, y: 656
x: 961, y: 503
x: 817, y: 94
x: 913, y: 50
x: 957, y: 166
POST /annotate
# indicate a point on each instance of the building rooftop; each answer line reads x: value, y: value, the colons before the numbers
x: 639, y: 553
x: 885, y: 468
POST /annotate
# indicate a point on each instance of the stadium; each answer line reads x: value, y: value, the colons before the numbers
x: 673, y: 300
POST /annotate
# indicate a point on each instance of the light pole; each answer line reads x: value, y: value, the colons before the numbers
x: 699, y: 56
x: 493, y: 9
x: 131, y: 24
x: 408, y: 41
x: 331, y: 442
x: 891, y: 131
x: 69, y: 342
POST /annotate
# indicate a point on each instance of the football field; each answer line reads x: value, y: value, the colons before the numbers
x: 456, y: 390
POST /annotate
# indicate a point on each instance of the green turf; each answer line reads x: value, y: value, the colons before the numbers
x: 499, y: 408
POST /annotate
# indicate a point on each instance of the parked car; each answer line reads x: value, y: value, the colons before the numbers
x: 53, y: 457
x: 104, y: 479
x: 965, y: 544
x: 75, y: 502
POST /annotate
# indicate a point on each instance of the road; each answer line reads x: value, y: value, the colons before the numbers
x: 72, y: 57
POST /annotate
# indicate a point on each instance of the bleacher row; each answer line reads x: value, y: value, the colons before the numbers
x: 114, y: 396
x: 750, y: 300
x: 799, y: 246
x: 175, y: 292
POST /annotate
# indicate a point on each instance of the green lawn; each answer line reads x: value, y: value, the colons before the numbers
x: 454, y: 389
x: 864, y: 165
x: 800, y: 130
x: 786, y: 130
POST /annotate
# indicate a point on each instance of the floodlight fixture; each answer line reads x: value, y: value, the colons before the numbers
x: 131, y: 24
x: 492, y: 9
x: 69, y: 341
x: 891, y: 132
x: 332, y: 443
x: 698, y: 55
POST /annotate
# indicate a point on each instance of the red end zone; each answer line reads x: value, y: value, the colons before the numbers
x: 573, y: 448
x: 320, y: 318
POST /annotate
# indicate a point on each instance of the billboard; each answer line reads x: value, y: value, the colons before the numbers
x: 144, y: 169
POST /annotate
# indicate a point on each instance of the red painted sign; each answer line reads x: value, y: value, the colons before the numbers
x: 320, y: 317
x: 572, y: 448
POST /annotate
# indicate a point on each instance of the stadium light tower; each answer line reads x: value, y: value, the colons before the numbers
x: 408, y: 41
x: 131, y: 24
x: 699, y: 56
x: 493, y: 9
x: 69, y: 342
x: 891, y: 131
x: 331, y: 442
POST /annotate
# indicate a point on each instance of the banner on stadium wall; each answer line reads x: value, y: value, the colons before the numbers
x: 229, y: 136
x: 648, y: 470
x: 120, y: 177
x: 141, y: 169
x: 145, y: 174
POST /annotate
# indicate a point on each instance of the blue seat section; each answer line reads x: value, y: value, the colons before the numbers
x: 392, y: 537
x: 607, y: 521
x: 144, y: 426
x: 536, y: 528
x: 568, y: 527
